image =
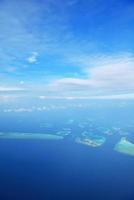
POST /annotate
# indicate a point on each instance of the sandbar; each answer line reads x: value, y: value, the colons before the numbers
x: 124, y: 146
x: 40, y: 136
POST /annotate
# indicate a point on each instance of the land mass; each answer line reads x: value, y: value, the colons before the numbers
x: 94, y: 142
x: 124, y: 146
x: 40, y: 136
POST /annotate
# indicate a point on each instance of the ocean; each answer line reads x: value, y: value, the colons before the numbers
x: 62, y: 169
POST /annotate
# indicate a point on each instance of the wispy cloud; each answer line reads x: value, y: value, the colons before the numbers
x: 33, y: 58
x: 110, y: 75
x: 97, y: 97
x: 10, y: 89
x: 32, y: 29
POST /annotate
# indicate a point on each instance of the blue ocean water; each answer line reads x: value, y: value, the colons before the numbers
x: 64, y: 170
x: 60, y: 170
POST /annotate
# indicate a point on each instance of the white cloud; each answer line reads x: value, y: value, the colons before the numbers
x: 18, y: 110
x: 116, y: 73
x: 111, y: 75
x: 10, y: 89
x: 33, y: 58
x: 90, y: 97
x: 59, y: 97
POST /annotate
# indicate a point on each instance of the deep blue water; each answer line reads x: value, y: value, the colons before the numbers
x: 50, y: 170
x: 64, y: 170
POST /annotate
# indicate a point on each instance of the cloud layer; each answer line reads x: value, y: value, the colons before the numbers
x: 69, y: 49
x: 111, y: 75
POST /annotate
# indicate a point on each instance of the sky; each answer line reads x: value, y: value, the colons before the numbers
x: 72, y: 49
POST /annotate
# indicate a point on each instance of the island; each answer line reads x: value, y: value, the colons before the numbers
x: 94, y: 140
x: 37, y: 136
x: 124, y: 146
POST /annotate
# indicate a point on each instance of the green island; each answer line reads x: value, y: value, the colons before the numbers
x: 124, y: 146
x: 37, y: 136
x: 91, y: 141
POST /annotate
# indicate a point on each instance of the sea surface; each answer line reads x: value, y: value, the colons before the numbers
x: 63, y: 169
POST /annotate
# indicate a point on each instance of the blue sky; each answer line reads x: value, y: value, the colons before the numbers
x: 67, y: 49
